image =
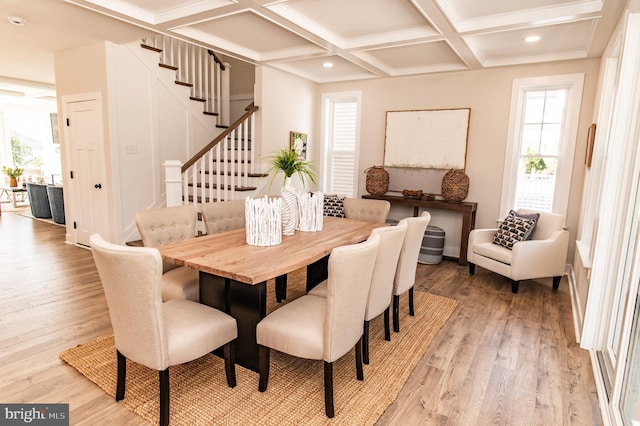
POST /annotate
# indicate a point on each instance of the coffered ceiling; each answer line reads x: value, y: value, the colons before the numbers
x: 360, y: 38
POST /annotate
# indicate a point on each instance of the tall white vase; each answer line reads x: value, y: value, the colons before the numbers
x: 289, y: 208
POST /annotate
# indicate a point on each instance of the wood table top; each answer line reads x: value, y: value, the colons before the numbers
x: 228, y: 255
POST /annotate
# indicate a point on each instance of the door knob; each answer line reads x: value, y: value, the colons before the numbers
x: 97, y: 186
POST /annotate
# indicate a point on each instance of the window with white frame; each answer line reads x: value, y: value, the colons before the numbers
x: 543, y: 126
x: 340, y: 136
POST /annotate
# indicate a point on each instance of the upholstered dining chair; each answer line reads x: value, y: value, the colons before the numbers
x: 150, y: 332
x: 366, y: 209
x: 321, y: 328
x: 223, y: 216
x: 381, y: 289
x: 541, y: 254
x: 167, y: 225
x: 407, y: 264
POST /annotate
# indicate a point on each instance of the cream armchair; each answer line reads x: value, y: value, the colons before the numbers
x: 543, y: 255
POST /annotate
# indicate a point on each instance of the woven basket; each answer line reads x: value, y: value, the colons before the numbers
x: 455, y: 186
x: 377, y: 180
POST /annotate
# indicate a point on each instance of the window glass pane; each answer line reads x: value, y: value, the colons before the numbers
x: 550, y: 139
x: 531, y: 139
x: 534, y: 108
x: 554, y: 106
x: 536, y: 184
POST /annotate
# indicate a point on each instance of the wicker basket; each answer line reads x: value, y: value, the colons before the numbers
x: 377, y: 180
x: 455, y: 186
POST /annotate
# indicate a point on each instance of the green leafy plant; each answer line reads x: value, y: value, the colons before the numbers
x: 15, y: 172
x: 288, y: 162
x: 534, y: 164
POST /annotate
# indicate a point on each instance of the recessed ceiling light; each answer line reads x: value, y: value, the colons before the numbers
x: 328, y: 64
x: 16, y: 20
x: 532, y: 39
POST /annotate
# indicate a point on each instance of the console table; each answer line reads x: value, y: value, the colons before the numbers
x: 467, y: 209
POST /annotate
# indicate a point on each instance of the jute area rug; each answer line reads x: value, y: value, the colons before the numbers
x: 295, y: 395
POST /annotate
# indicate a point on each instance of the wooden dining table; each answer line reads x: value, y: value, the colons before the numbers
x: 234, y: 274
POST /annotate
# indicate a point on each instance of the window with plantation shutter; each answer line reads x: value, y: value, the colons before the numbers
x: 341, y: 118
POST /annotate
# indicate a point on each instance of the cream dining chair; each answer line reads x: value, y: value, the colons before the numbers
x: 366, y: 209
x: 381, y: 289
x: 169, y: 225
x: 407, y: 264
x: 221, y: 216
x: 321, y: 328
x: 150, y: 332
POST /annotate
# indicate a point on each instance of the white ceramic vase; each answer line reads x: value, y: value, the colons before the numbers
x: 289, y: 207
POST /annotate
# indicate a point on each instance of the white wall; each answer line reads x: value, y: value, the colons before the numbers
x: 488, y: 93
x: 287, y: 103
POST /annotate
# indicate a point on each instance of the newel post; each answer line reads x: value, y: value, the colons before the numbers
x: 173, y: 182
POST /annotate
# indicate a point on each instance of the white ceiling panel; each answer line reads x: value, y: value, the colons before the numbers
x: 556, y: 42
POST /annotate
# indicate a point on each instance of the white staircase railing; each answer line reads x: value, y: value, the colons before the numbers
x: 220, y: 171
x: 198, y: 68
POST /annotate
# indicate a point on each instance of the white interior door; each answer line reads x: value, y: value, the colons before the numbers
x: 87, y: 169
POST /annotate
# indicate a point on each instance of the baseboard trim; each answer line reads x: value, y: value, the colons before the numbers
x: 578, y: 315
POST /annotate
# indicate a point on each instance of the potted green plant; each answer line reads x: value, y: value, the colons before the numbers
x: 288, y: 162
x: 13, y: 173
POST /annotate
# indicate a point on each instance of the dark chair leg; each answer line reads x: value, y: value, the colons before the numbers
x: 365, y: 342
x: 396, y: 313
x: 263, y: 366
x: 411, y: 310
x: 472, y: 268
x: 230, y: 363
x: 514, y: 286
x: 328, y: 389
x: 164, y: 397
x: 122, y: 376
x: 281, y: 288
x: 556, y: 282
x: 387, y: 324
x: 359, y: 371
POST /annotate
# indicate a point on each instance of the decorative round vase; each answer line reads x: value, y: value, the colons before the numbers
x: 13, y: 182
x: 455, y: 186
x: 377, y: 180
x: 289, y: 208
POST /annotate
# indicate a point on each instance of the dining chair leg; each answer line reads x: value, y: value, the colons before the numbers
x: 164, y: 397
x: 411, y: 310
x: 263, y: 366
x: 328, y: 389
x: 387, y: 325
x: 230, y: 363
x: 359, y: 371
x: 396, y: 313
x: 365, y: 342
x: 556, y: 282
x: 122, y: 376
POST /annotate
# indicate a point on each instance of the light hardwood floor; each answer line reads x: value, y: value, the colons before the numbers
x: 502, y: 359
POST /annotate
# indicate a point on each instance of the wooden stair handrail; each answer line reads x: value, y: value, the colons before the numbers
x: 219, y: 138
x: 216, y: 59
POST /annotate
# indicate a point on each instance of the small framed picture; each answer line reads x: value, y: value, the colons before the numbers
x: 591, y: 136
x: 298, y: 143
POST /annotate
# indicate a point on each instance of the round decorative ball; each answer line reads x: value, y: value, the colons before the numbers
x: 455, y: 186
x: 377, y: 180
